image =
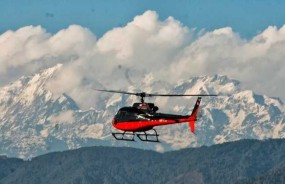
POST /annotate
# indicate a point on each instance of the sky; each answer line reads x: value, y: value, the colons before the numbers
x: 247, y: 17
x: 103, y: 40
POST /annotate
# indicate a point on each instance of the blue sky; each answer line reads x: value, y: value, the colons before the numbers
x: 165, y: 44
x: 247, y: 17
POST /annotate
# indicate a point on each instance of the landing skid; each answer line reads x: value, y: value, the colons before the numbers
x: 145, y: 137
x: 130, y: 136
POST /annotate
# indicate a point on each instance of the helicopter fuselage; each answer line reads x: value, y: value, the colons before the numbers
x: 142, y: 117
x: 148, y: 124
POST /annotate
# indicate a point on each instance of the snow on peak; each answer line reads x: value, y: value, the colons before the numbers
x: 216, y: 84
x: 32, y: 122
x: 36, y: 85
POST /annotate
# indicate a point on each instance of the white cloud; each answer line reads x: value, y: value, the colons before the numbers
x: 22, y: 46
x: 73, y: 40
x: 167, y: 49
x: 257, y: 63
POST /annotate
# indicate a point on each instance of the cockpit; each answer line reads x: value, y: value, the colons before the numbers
x: 130, y: 114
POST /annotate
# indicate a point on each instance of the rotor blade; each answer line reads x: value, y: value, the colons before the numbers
x: 170, y: 95
x: 116, y: 91
x: 143, y: 94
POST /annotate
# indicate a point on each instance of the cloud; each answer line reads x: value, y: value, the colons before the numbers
x: 257, y: 62
x: 30, y: 49
x: 166, y: 49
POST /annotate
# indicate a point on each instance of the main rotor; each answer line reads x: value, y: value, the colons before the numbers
x: 142, y: 95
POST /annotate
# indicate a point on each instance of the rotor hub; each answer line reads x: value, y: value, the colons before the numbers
x: 142, y: 95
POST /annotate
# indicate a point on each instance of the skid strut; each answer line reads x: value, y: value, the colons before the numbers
x: 125, y: 136
x: 145, y: 136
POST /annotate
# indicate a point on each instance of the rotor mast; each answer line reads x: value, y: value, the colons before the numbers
x: 142, y: 95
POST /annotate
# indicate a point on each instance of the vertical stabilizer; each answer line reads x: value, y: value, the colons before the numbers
x: 193, y: 117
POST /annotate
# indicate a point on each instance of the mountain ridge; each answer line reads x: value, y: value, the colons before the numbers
x: 34, y: 121
x: 243, y: 161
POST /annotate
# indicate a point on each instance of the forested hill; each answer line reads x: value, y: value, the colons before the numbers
x: 246, y: 161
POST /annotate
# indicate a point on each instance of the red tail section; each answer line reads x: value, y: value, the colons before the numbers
x: 193, y: 117
x: 192, y: 126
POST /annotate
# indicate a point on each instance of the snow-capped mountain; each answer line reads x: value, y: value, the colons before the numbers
x: 34, y: 121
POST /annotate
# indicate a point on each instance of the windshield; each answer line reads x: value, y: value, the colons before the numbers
x: 129, y: 116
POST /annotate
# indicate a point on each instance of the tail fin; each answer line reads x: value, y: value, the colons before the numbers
x: 193, y: 116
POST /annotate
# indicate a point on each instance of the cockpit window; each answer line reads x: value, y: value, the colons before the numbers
x: 130, y: 115
x: 125, y: 116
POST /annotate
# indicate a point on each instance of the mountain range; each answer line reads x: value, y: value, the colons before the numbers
x: 35, y: 121
x: 244, y: 161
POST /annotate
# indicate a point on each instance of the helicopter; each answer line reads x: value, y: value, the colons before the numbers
x: 141, y: 118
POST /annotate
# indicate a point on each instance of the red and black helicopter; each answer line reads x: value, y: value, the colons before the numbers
x: 142, y: 117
